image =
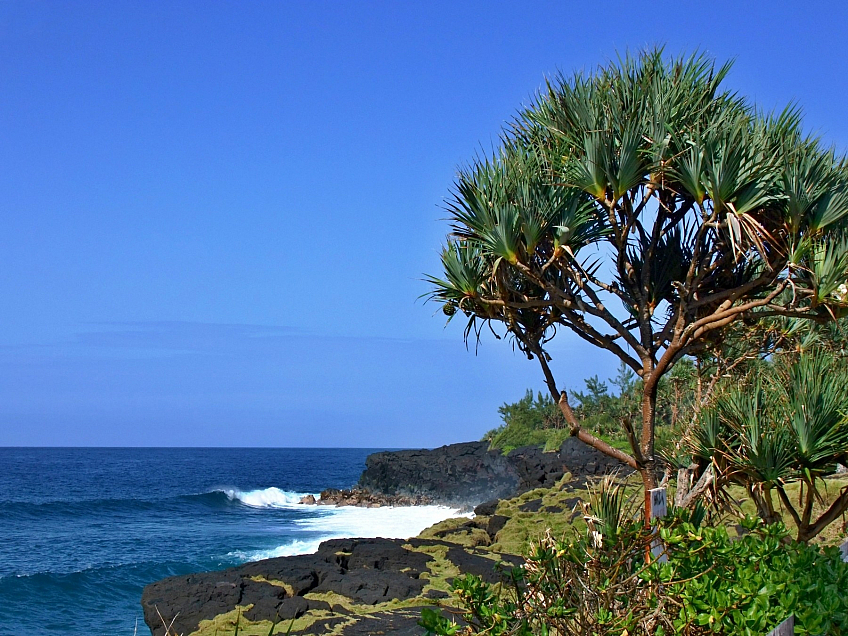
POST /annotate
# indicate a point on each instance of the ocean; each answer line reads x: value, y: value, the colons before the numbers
x: 83, y: 530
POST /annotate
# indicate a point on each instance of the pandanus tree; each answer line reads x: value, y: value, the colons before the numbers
x: 646, y: 209
x: 785, y: 424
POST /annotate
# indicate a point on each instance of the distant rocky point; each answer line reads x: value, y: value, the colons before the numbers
x: 467, y: 474
x: 363, y: 498
x: 463, y: 475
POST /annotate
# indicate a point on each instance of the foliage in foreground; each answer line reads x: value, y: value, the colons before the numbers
x: 711, y: 584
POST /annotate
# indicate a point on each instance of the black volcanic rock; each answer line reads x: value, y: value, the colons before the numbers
x: 365, y: 571
x: 368, y: 571
x: 496, y: 524
x: 372, y: 571
x: 534, y: 505
x: 192, y: 598
x: 487, y: 508
x: 469, y: 473
x: 456, y: 474
x: 535, y: 468
x: 470, y: 561
x: 396, y: 623
x: 581, y: 459
x: 363, y: 499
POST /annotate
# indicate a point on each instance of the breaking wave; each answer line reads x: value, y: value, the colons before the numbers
x: 265, y: 498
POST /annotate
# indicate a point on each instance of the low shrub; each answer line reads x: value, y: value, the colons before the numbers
x: 711, y: 583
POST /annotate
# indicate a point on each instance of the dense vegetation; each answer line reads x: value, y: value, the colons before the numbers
x: 600, y: 584
x: 785, y: 424
x: 536, y: 420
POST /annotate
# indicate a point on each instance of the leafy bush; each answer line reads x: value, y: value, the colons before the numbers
x: 536, y: 420
x: 528, y: 422
x: 751, y: 585
x: 711, y: 584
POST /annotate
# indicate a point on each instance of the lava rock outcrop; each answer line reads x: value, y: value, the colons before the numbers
x: 338, y: 585
x: 469, y: 473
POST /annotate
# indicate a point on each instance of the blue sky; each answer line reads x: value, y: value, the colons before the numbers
x: 215, y: 217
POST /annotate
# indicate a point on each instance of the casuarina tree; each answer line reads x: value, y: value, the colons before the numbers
x: 648, y: 210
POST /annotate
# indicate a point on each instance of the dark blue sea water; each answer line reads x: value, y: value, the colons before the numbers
x: 83, y: 530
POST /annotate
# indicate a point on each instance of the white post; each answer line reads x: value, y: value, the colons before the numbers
x: 786, y: 628
x: 659, y: 508
x: 659, y: 503
x: 844, y: 550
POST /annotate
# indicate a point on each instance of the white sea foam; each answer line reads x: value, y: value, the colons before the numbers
x: 265, y: 498
x: 332, y: 522
x: 289, y: 549
x: 388, y: 522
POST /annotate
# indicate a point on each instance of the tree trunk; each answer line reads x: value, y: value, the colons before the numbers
x: 643, y: 459
x: 648, y: 464
x: 687, y: 494
x: 684, y: 485
x: 765, y: 506
x: 649, y: 481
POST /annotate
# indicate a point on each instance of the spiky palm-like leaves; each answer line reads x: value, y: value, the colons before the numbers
x: 646, y: 209
x: 789, y: 425
x: 607, y: 510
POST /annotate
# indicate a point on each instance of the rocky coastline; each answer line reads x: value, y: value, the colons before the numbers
x: 363, y: 498
x: 464, y: 475
x: 358, y: 587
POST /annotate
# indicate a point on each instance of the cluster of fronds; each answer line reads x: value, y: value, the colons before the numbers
x: 786, y: 424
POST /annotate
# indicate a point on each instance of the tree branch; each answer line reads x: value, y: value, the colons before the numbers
x: 789, y: 507
x: 699, y: 489
x: 837, y: 508
x: 722, y: 318
x: 587, y: 438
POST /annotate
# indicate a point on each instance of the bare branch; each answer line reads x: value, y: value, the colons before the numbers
x: 584, y: 436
